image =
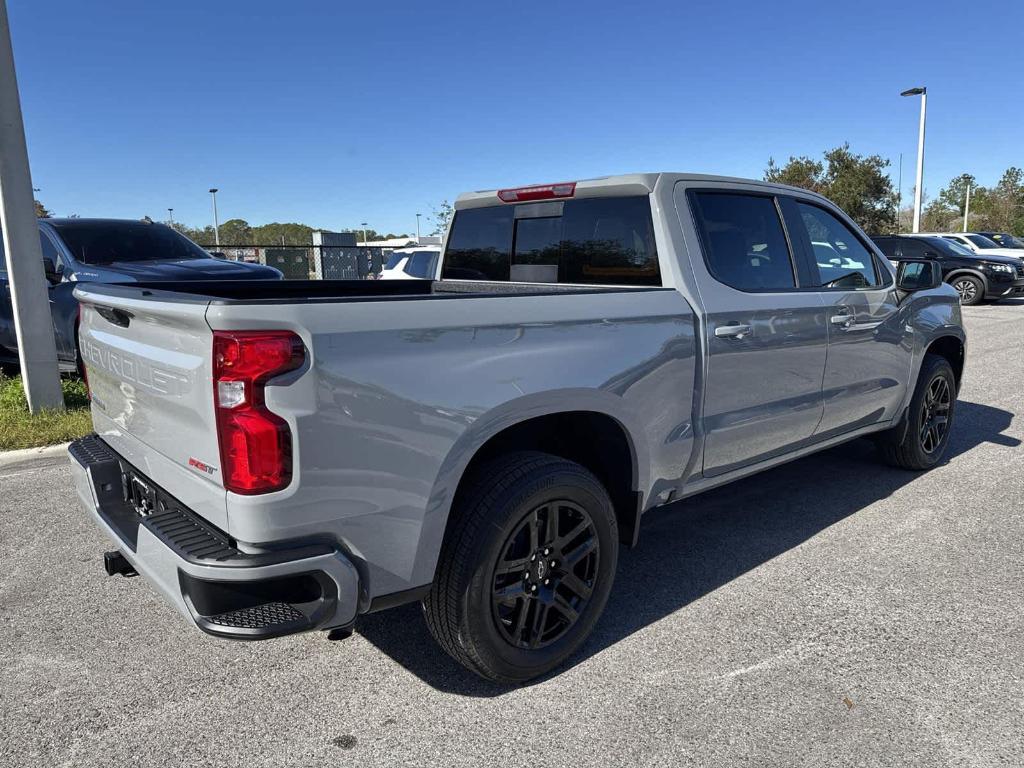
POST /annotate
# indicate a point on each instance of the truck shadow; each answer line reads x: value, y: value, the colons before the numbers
x: 692, y: 547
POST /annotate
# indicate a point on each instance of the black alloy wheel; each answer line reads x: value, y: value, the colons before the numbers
x: 545, y: 575
x: 935, y: 413
x: 526, y: 567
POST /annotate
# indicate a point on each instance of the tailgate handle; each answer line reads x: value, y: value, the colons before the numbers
x: 116, y: 316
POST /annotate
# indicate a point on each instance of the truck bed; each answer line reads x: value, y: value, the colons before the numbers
x: 321, y: 291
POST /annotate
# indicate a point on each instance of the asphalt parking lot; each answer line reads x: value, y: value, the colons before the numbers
x: 830, y: 612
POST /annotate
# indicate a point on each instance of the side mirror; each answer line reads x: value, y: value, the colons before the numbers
x: 50, y: 270
x: 218, y: 254
x: 920, y: 275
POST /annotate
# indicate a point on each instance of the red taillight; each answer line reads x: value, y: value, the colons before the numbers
x: 542, y: 192
x: 255, y: 444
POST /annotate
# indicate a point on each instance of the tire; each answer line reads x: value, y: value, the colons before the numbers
x: 490, y: 547
x: 970, y: 288
x: 921, y: 442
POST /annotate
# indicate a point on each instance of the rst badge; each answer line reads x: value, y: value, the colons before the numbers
x: 201, y: 466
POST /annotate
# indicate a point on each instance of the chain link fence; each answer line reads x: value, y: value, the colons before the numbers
x: 311, y: 262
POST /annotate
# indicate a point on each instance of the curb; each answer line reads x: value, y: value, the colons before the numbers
x: 25, y: 455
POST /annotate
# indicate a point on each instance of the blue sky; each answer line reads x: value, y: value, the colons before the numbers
x: 334, y: 113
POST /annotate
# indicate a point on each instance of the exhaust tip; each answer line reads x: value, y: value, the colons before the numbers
x: 115, y: 563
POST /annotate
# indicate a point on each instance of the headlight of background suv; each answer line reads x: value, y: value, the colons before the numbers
x: 998, y: 268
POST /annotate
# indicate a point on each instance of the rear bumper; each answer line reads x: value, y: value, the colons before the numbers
x: 225, y: 591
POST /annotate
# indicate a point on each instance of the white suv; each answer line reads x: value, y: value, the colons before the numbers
x: 980, y: 244
x: 411, y: 264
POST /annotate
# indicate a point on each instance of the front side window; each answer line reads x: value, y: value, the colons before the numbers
x: 843, y: 261
x: 743, y: 240
x: 594, y: 241
x: 48, y: 249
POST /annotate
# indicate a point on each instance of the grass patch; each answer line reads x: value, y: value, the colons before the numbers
x: 21, y: 429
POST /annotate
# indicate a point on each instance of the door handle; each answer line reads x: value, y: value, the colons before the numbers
x: 732, y: 331
x: 847, y: 322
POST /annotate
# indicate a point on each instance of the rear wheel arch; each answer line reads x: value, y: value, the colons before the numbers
x: 594, y: 439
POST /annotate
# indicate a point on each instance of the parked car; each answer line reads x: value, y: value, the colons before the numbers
x: 1004, y: 240
x: 976, y: 243
x: 411, y: 264
x: 278, y: 458
x: 976, y: 277
x: 110, y: 251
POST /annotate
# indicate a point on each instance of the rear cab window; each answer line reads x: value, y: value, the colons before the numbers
x: 589, y: 241
x: 743, y: 240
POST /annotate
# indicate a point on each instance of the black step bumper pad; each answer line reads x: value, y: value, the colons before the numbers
x: 226, y: 594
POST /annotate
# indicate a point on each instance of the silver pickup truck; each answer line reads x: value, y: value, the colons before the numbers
x: 284, y: 456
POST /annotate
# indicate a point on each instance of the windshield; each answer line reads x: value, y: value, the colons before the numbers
x: 103, y: 242
x: 958, y: 248
x: 982, y: 242
x: 1008, y: 241
x: 394, y: 258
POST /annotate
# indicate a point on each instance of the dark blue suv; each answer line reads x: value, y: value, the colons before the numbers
x: 110, y: 251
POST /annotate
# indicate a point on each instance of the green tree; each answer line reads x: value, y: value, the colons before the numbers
x: 999, y: 208
x: 236, y: 232
x: 41, y: 211
x: 277, y: 233
x: 442, y: 216
x: 857, y: 184
x: 1006, y: 209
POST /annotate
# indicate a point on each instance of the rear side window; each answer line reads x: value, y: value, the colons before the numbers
x: 743, y: 240
x: 421, y: 264
x: 890, y: 247
x: 843, y: 260
x: 605, y: 240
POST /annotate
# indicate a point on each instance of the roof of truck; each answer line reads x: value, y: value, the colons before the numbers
x: 622, y: 184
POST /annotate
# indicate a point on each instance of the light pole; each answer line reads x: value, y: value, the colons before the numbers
x: 967, y: 205
x: 418, y: 228
x: 216, y: 225
x: 899, y: 195
x: 170, y: 216
x: 30, y: 300
x: 918, y: 191
x: 363, y: 225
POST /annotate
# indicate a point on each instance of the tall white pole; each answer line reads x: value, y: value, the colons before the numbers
x: 30, y: 302
x: 919, y: 189
x: 967, y: 205
x: 216, y: 224
x: 899, y: 196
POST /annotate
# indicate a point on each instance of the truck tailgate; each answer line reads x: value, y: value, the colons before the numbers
x: 149, y: 365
